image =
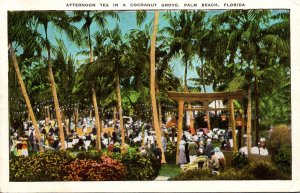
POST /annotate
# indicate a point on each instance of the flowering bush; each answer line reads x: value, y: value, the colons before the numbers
x: 46, y: 166
x: 91, y: 170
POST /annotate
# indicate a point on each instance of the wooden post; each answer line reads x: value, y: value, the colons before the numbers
x: 179, y: 133
x: 232, y: 120
x: 191, y: 120
x: 207, y: 113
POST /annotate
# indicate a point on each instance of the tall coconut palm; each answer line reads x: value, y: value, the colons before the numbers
x: 115, y: 56
x: 21, y: 34
x: 186, y: 31
x: 181, y: 38
x: 64, y: 65
x: 152, y: 85
x: 136, y: 82
x: 61, y: 21
x: 259, y: 46
x: 99, y: 17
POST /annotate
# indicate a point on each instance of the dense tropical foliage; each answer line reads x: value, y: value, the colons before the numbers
x: 104, y: 64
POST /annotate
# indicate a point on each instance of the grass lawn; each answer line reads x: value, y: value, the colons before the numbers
x: 169, y: 170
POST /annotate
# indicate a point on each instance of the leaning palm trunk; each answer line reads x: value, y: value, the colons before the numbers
x: 152, y: 86
x: 256, y: 105
x: 55, y: 100
x: 118, y: 92
x: 249, y: 122
x: 24, y: 94
x: 158, y: 106
x: 98, y: 123
x: 94, y: 98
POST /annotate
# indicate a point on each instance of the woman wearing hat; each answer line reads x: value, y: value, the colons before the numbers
x: 182, y: 157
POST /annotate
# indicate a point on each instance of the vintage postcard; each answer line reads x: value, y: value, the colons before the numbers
x: 139, y: 96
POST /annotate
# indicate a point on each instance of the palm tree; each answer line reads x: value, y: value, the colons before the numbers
x: 254, y: 48
x: 186, y: 32
x: 23, y: 35
x: 115, y: 57
x: 59, y: 20
x: 100, y: 18
x: 152, y: 85
x: 136, y: 83
x: 181, y: 38
x: 64, y: 65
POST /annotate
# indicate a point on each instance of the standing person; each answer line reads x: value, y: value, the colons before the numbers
x: 114, y: 136
x: 214, y: 162
x: 221, y: 158
x: 31, y: 139
x: 164, y: 143
x: 228, y: 145
x: 182, y: 156
x: 201, y: 147
x: 186, y: 149
x: 208, y: 148
x: 24, y: 147
x: 192, y: 147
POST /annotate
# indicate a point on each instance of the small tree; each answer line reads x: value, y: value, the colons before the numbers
x: 280, y: 146
x: 279, y: 136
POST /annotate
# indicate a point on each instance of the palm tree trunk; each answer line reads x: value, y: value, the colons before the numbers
x: 179, y: 133
x: 232, y: 119
x: 25, y: 95
x: 202, y: 77
x: 55, y: 100
x: 76, y: 116
x: 94, y: 98
x: 152, y: 86
x: 249, y: 121
x: 185, y: 76
x: 53, y: 90
x: 256, y: 104
x: 119, y: 100
x: 256, y: 123
x: 115, y: 117
x: 158, y: 105
x: 98, y: 124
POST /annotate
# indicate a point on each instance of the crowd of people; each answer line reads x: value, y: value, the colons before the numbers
x: 191, y: 147
x: 137, y: 134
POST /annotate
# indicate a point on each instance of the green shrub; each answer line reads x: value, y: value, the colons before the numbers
x: 47, y: 166
x: 206, y: 174
x: 262, y: 170
x: 283, y: 159
x: 93, y: 155
x: 279, y: 146
x: 234, y: 174
x: 280, y: 136
x: 105, y: 169
x: 259, y: 170
x: 239, y: 160
x: 195, y: 174
x: 139, y: 166
x: 171, y: 153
